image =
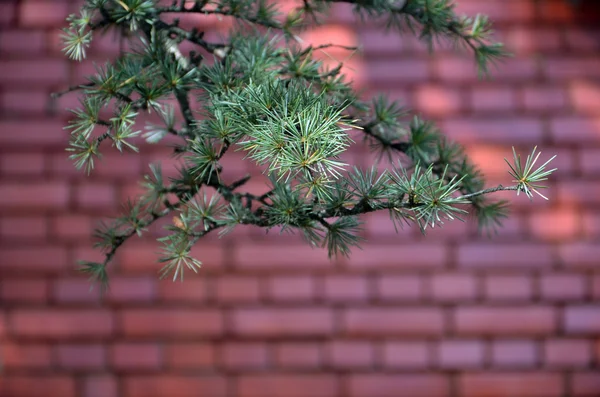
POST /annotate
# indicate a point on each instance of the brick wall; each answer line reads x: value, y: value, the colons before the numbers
x: 452, y: 314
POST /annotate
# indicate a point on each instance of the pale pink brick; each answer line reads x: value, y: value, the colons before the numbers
x: 453, y: 287
x: 514, y: 353
x: 453, y: 354
x: 508, y: 288
x: 298, y: 355
x: 579, y: 254
x: 350, y: 354
x: 487, y: 256
x: 406, y: 355
x: 582, y: 319
x: 575, y: 129
x: 77, y: 357
x: 345, y: 288
x: 564, y: 68
x: 36, y: 13
x: 385, y: 72
x: 292, y: 288
x: 545, y: 99
x: 492, y: 99
x: 562, y: 287
x: 400, y: 287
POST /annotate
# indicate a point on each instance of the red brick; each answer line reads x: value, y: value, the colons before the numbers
x: 100, y: 386
x: 453, y: 287
x: 399, y: 256
x: 562, y: 287
x: 257, y: 256
x: 75, y: 290
x: 41, y: 73
x: 350, y: 354
x: 544, y: 98
x: 513, y: 130
x: 288, y: 385
x: 22, y: 164
x: 582, y: 319
x: 589, y: 163
x: 23, y: 228
x: 514, y: 353
x: 526, y: 40
x: 17, y: 102
x: 119, y: 166
x: 172, y: 323
x: 528, y: 320
x: 45, y: 259
x: 96, y: 196
x: 37, y: 385
x: 399, y: 287
x: 279, y: 322
x: 533, y: 384
x: 453, y: 354
x: 22, y: 41
x: 508, y: 288
x: 438, y: 100
x: 585, y: 384
x: 492, y: 99
x: 567, y: 353
x: 397, y: 321
x: 25, y: 356
x: 557, y: 69
x: 132, y: 290
x: 37, y: 13
x: 381, y: 385
x: 582, y: 39
x: 499, y: 11
x: 174, y: 385
x: 191, y: 290
x: 298, y: 355
x: 189, y: 355
x: 342, y: 288
x: 7, y: 13
x: 244, y: 355
x: 579, y: 254
x: 62, y: 323
x: 386, y: 73
x: 555, y: 225
x: 81, y: 357
x: 230, y: 289
x: 291, y: 288
x: 71, y: 227
x: 584, y: 96
x: 406, y: 355
x: 135, y: 356
x: 34, y: 197
x: 575, y: 130
x: 557, y: 11
x: 33, y: 134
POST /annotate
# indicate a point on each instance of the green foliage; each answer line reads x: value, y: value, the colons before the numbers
x: 265, y: 93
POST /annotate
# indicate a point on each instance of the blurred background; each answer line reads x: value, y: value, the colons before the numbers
x: 451, y: 314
